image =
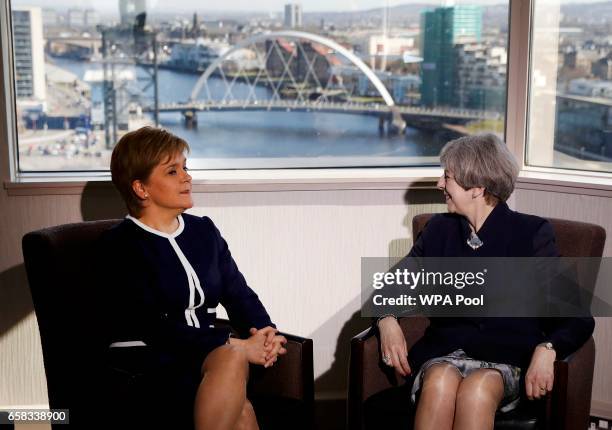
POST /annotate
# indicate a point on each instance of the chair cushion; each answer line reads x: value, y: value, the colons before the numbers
x: 392, y: 408
x: 524, y: 417
x: 281, y: 413
x: 144, y: 391
x: 389, y: 409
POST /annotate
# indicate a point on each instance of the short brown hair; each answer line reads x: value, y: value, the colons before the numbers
x: 482, y: 160
x: 136, y: 155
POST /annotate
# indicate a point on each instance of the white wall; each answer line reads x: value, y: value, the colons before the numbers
x: 300, y: 251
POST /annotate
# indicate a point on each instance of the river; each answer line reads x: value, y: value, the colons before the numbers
x: 281, y: 139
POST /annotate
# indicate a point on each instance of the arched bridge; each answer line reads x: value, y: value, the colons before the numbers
x: 299, y: 71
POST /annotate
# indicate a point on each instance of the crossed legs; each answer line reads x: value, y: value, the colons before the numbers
x: 449, y: 401
x: 221, y: 402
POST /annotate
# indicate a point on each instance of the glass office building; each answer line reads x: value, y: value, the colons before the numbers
x: 442, y: 29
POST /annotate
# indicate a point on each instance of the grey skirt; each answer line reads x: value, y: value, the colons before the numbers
x: 466, y: 365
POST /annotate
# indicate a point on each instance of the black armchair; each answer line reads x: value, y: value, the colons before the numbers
x: 377, y: 400
x: 58, y: 262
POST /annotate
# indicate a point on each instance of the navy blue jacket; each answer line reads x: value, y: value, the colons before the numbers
x: 505, y: 233
x: 163, y: 289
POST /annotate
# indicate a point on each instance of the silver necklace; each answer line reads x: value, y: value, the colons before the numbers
x: 474, y: 241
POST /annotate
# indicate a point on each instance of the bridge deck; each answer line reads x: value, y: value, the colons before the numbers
x: 352, y: 108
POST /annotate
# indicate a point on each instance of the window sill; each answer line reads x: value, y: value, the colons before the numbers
x: 247, y: 181
x: 599, y: 185
x: 314, y: 180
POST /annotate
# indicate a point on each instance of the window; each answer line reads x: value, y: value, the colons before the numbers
x: 281, y: 85
x: 570, y: 102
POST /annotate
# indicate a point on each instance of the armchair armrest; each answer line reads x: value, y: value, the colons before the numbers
x: 569, y: 404
x: 283, y: 395
x: 367, y: 374
x: 292, y: 376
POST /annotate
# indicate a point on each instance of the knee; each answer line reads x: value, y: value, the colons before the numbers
x: 230, y: 358
x: 475, y: 398
x: 235, y: 359
x: 441, y: 381
x: 478, y: 394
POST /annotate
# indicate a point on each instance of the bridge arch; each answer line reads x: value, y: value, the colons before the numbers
x: 296, y: 35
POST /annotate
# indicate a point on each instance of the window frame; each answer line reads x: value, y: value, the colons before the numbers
x: 516, y: 129
x: 517, y: 117
x: 8, y: 86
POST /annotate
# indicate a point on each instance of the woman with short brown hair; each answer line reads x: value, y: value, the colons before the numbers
x: 166, y: 273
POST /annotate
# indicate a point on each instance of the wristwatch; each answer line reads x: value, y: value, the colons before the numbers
x: 547, y: 345
x: 383, y: 317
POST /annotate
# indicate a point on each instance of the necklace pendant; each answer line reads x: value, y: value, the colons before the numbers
x: 474, y: 242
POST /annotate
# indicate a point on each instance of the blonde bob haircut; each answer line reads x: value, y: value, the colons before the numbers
x: 482, y: 160
x: 135, y: 156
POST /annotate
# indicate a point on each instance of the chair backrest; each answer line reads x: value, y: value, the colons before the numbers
x: 60, y: 264
x: 574, y: 238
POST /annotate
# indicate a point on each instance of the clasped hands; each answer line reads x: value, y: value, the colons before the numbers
x: 263, y: 346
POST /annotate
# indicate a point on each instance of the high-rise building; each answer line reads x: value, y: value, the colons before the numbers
x: 92, y: 18
x: 602, y: 68
x: 293, y: 15
x: 29, y: 53
x: 76, y: 18
x: 480, y: 81
x: 441, y: 30
x: 130, y: 9
x: 49, y: 17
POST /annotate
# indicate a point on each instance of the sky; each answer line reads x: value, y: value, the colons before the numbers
x: 250, y: 5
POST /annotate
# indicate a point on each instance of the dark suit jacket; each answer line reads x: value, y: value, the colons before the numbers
x: 144, y: 282
x: 505, y: 233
